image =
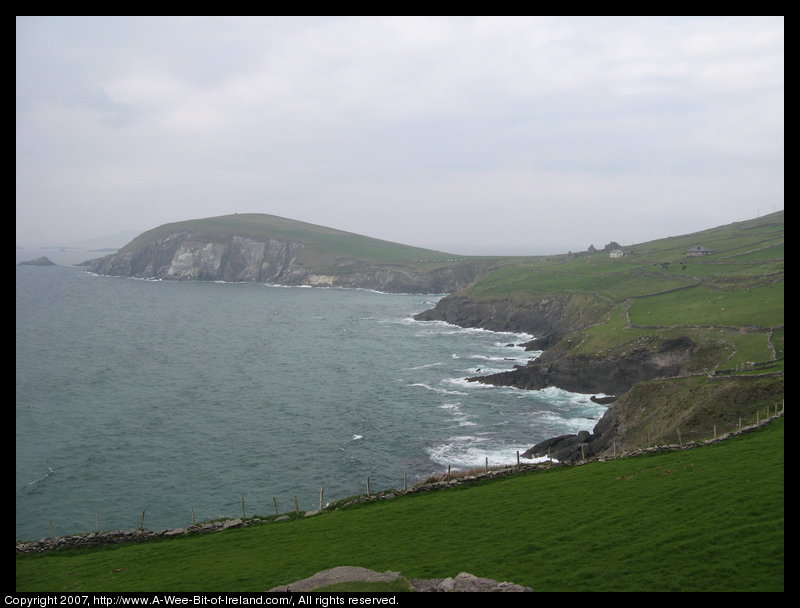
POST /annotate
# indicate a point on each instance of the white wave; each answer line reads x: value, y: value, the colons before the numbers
x: 50, y: 471
x: 466, y: 452
x: 441, y: 391
x: 493, y: 358
x: 442, y: 327
x: 483, y: 371
x: 462, y: 382
x: 422, y: 366
x: 357, y: 437
x: 459, y: 417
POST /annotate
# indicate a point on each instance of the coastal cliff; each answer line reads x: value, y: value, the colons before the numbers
x: 603, y: 373
x: 549, y: 318
x: 673, y: 343
x: 258, y: 248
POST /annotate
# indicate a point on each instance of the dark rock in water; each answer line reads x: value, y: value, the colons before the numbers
x: 603, y: 400
x: 42, y: 261
x: 564, y: 448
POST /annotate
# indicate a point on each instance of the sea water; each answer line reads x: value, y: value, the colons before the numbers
x: 190, y: 401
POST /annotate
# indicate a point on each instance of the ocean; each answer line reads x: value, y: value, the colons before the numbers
x: 192, y: 401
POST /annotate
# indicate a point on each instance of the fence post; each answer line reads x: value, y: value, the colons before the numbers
x: 517, y: 457
x: 680, y: 441
x: 52, y: 529
x: 275, y: 504
x: 448, y: 473
x: 487, y: 463
x: 141, y: 527
x: 405, y: 482
x: 193, y: 519
x: 369, y: 494
x: 296, y: 507
x: 321, y: 495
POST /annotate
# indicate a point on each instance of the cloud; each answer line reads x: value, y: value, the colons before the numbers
x: 133, y: 122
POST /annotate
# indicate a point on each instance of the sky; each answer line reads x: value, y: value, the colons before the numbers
x: 472, y: 135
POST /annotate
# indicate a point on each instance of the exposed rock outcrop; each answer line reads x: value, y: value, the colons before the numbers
x: 340, y: 574
x: 598, y: 373
x: 549, y: 318
x: 564, y: 448
x: 463, y: 582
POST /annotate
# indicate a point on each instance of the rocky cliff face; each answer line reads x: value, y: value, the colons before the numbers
x: 549, y: 318
x: 177, y: 256
x: 600, y: 374
x: 180, y: 256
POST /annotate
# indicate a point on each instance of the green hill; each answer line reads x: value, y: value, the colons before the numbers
x: 704, y: 519
x: 252, y: 247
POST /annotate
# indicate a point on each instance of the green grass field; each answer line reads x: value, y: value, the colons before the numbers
x: 706, y: 519
x: 325, y: 242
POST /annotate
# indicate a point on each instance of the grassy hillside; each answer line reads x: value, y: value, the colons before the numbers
x: 731, y: 298
x: 706, y: 519
x: 323, y: 241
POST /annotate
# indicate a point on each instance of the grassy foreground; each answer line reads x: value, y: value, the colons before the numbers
x: 707, y: 519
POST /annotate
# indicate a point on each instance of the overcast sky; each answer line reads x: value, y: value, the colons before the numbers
x: 467, y: 134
